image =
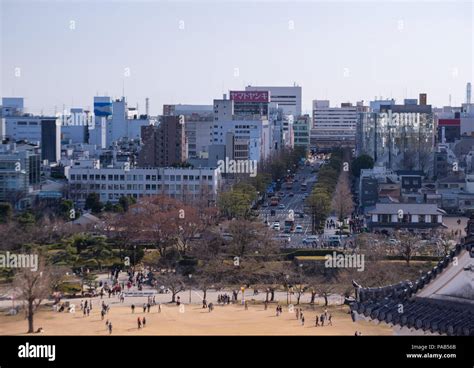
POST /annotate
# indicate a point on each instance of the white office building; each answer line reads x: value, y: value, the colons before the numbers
x: 287, y: 98
x: 113, y: 183
x: 333, y: 126
x: 234, y: 131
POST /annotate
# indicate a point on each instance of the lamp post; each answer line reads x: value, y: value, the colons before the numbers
x: 190, y: 287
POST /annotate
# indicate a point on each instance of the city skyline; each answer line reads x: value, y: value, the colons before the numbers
x: 184, y: 52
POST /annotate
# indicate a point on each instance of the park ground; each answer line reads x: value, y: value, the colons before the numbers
x: 192, y: 320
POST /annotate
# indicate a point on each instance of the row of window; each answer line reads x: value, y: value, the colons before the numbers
x: 129, y: 187
x: 386, y: 219
x: 130, y: 177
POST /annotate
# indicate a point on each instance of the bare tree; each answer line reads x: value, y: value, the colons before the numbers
x: 408, y: 244
x: 33, y: 287
x: 174, y: 282
x: 342, y: 202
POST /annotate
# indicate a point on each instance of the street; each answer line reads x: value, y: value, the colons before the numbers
x: 293, y: 203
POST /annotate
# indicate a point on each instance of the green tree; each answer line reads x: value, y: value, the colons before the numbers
x: 93, y: 203
x: 361, y: 162
x: 65, y: 208
x: 6, y: 212
x: 236, y: 203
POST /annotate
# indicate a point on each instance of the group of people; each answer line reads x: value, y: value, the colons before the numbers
x: 86, y: 307
x: 323, y: 318
x: 223, y: 299
x: 279, y: 310
x: 141, y: 322
x: 330, y: 224
x: 146, y: 306
x: 105, y: 310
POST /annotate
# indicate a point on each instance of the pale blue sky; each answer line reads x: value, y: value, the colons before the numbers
x: 432, y: 52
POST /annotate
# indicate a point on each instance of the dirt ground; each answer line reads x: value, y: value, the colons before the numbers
x: 192, y: 320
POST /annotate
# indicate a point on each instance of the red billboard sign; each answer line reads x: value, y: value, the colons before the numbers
x: 250, y: 96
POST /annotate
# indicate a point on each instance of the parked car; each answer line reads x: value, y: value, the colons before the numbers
x: 298, y: 229
x: 281, y: 206
x: 310, y: 239
x: 276, y: 226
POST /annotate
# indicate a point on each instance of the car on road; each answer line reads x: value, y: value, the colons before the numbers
x: 393, y: 241
x: 298, y: 229
x: 281, y: 206
x: 276, y: 226
x: 333, y: 241
x: 227, y: 236
x: 285, y: 237
x: 310, y: 239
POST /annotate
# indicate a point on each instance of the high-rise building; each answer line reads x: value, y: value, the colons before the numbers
x: 333, y: 126
x: 164, y: 144
x: 245, y: 128
x: 198, y: 121
x: 398, y: 136
x: 287, y: 98
x: 19, y: 171
x: 301, y: 131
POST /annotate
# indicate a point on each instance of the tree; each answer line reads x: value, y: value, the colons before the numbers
x: 65, y: 208
x: 319, y: 204
x: 342, y: 202
x: 362, y: 162
x: 174, y: 282
x: 407, y: 245
x: 6, y: 212
x: 33, y: 287
x: 235, y: 204
x: 446, y: 241
x: 93, y: 203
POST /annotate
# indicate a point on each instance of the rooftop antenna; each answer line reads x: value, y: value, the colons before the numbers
x: 147, y: 106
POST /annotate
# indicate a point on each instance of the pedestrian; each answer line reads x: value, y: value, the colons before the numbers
x: 139, y: 323
x: 159, y: 308
x: 133, y: 308
x: 329, y: 319
x: 144, y: 322
x: 110, y: 328
x: 302, y: 321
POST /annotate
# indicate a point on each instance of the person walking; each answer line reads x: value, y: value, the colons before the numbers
x: 133, y: 308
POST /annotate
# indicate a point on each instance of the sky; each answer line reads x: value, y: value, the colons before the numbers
x: 63, y: 53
